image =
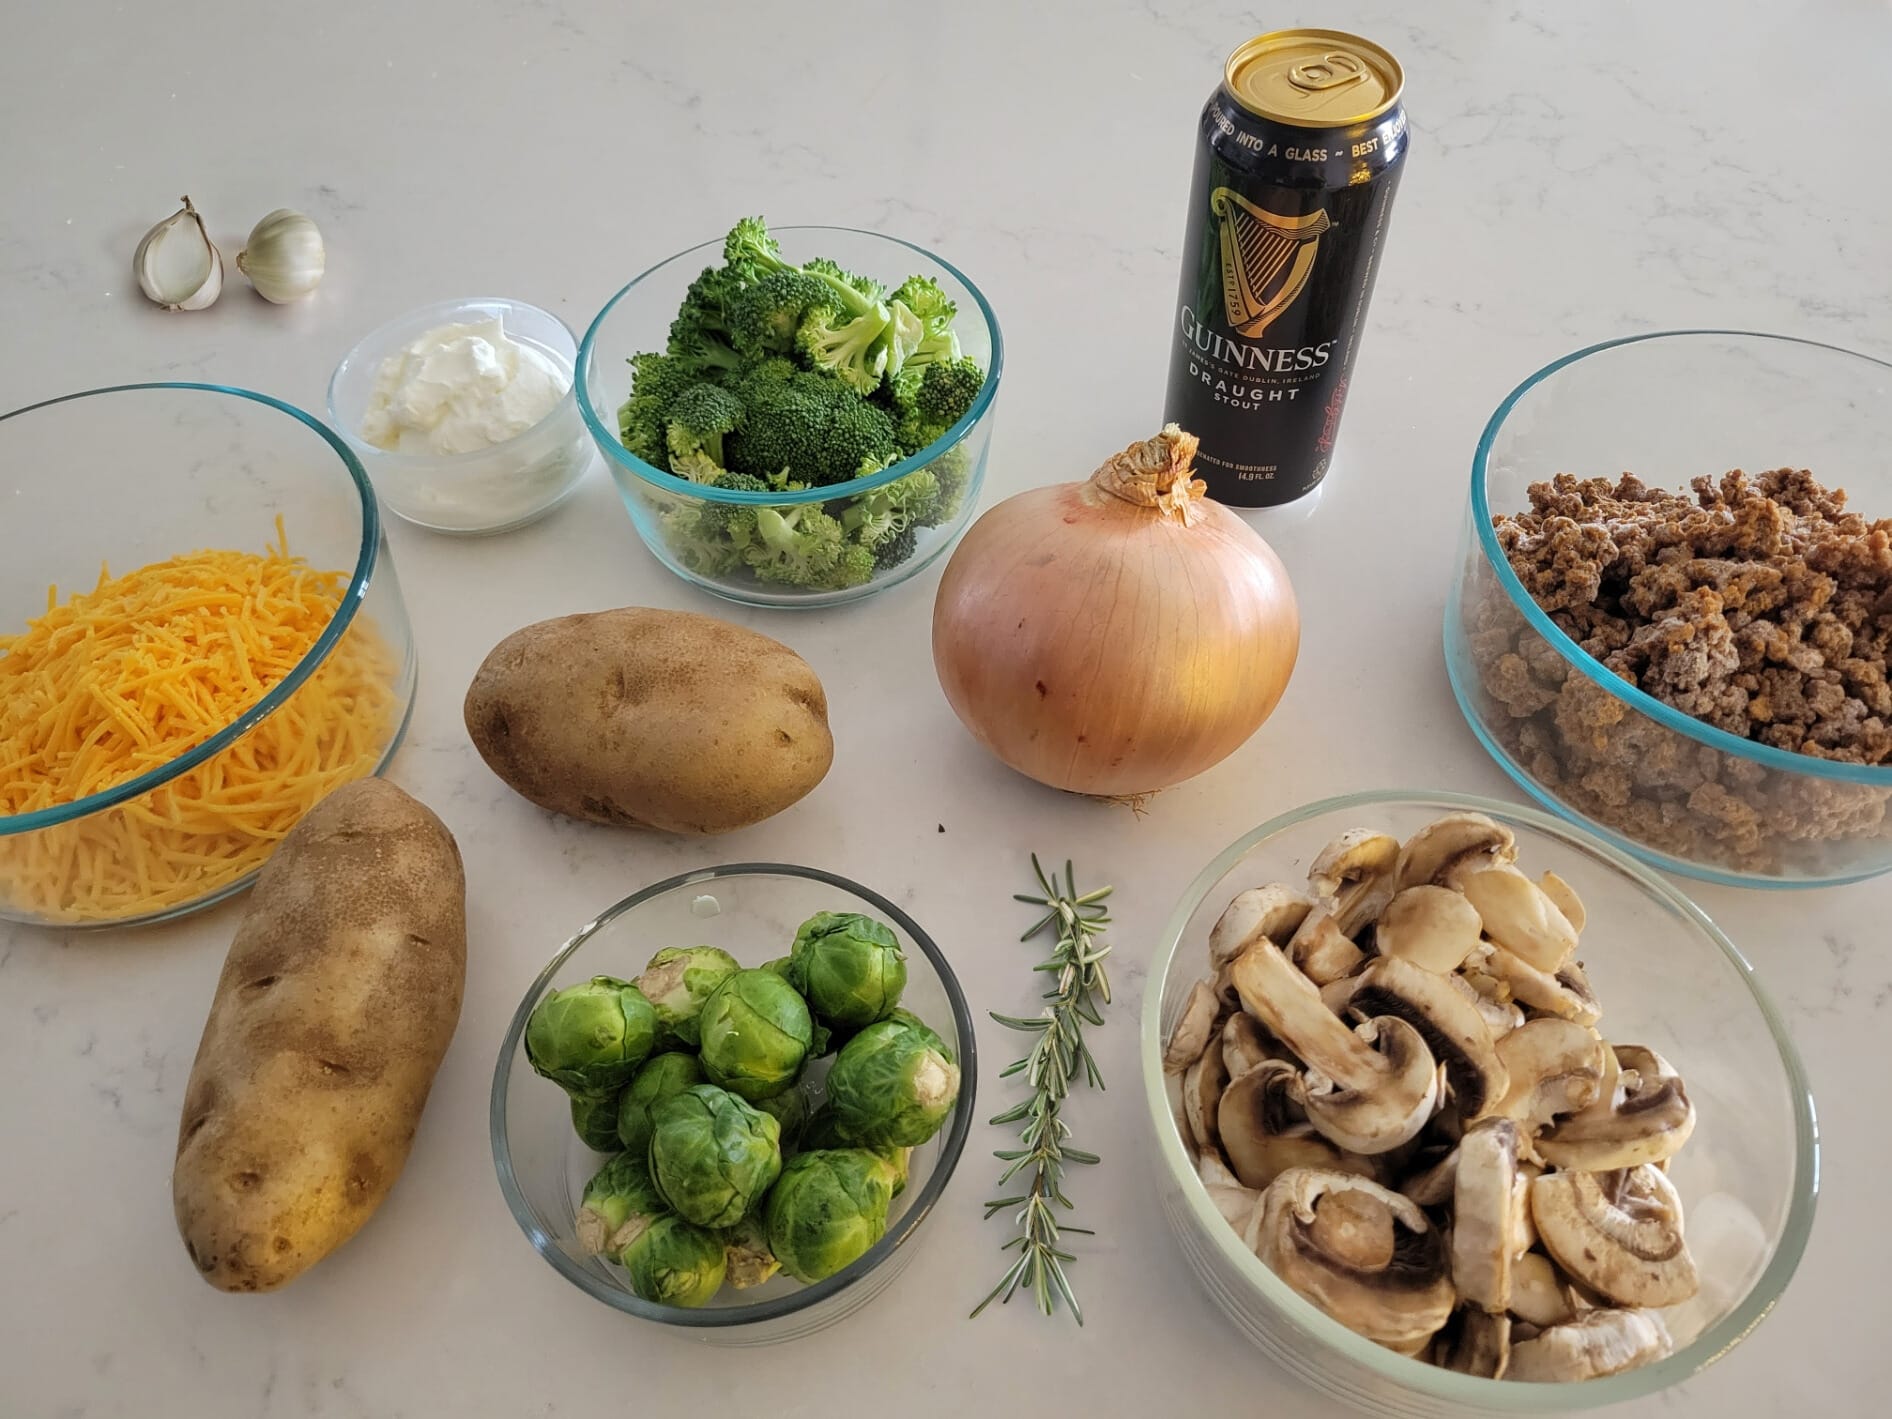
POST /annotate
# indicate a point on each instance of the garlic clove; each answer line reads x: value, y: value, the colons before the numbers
x: 177, y: 264
x: 284, y: 257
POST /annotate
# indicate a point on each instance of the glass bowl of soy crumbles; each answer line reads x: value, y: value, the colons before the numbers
x: 1672, y: 610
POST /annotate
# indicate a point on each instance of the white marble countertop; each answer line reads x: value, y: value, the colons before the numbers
x: 1576, y: 172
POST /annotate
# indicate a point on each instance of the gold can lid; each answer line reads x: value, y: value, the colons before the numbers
x: 1313, y: 78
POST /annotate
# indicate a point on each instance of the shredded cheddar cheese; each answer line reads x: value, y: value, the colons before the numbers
x: 122, y: 679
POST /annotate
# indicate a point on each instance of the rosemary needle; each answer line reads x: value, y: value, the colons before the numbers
x: 1058, y: 1057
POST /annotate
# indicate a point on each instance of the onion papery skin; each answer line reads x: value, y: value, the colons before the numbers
x: 1108, y: 649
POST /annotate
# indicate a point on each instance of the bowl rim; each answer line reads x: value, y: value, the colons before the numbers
x: 1478, y: 1394
x: 378, y: 344
x: 614, y: 450
x: 898, y: 1233
x: 366, y: 561
x: 1594, y: 670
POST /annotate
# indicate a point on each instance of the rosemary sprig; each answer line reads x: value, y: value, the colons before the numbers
x: 1056, y: 1059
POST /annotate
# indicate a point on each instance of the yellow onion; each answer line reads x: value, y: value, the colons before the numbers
x: 1118, y: 635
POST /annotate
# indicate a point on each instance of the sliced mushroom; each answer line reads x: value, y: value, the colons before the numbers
x: 1391, y: 1087
x: 1354, y: 876
x: 1500, y: 1019
x: 1452, y: 843
x: 1433, y: 927
x: 1565, y: 994
x: 1273, y: 912
x: 1519, y: 915
x: 1432, y: 1185
x: 1555, y: 1067
x: 1484, y: 1219
x: 1203, y: 1083
x: 1451, y: 1026
x: 1322, y: 950
x: 1214, y: 1171
x: 1645, y: 1120
x: 1623, y: 1241
x: 1591, y: 1346
x: 1337, y: 995
x: 1529, y: 1171
x: 1538, y: 1293
x: 1236, y: 1204
x: 1478, y: 1343
x: 1368, y: 1089
x: 1190, y: 1034
x: 1366, y: 1256
x: 1566, y: 898
x: 1245, y: 1044
x: 1265, y: 1131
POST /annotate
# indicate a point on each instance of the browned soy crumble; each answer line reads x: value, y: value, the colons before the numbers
x: 1759, y: 605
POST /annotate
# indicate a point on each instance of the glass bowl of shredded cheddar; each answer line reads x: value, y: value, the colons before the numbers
x: 201, y: 636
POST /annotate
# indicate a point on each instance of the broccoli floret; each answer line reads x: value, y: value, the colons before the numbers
x: 656, y: 381
x: 766, y: 315
x: 939, y: 399
x: 922, y: 296
x: 866, y: 287
x: 852, y: 349
x: 806, y: 547
x: 698, y: 542
x: 953, y: 470
x: 906, y: 502
x: 897, y: 548
x: 750, y: 251
x: 701, y: 332
x: 905, y: 331
x: 807, y: 425
x: 698, y: 420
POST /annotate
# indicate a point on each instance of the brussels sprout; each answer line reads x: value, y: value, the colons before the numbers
x: 849, y: 966
x: 829, y: 1207
x: 673, y: 1263
x: 777, y: 967
x: 677, y: 982
x: 891, y: 1087
x: 619, y: 1202
x: 746, y: 1255
x: 595, y: 1120
x: 661, y: 1076
x: 590, y: 1038
x: 756, y: 1032
x: 712, y: 1156
x: 822, y: 1132
x: 926, y: 1032
x: 789, y: 1109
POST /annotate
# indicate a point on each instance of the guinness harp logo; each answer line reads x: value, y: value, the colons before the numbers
x: 1266, y: 259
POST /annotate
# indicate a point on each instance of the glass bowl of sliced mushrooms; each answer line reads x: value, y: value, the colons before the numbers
x: 1460, y: 1111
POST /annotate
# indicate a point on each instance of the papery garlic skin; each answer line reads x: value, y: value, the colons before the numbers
x: 284, y: 257
x: 177, y: 264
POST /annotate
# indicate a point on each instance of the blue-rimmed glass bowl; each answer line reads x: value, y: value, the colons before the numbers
x: 1666, y: 977
x: 138, y: 474
x: 1675, y: 791
x: 750, y: 910
x: 667, y: 510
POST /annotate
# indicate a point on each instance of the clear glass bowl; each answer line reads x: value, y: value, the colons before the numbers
x: 752, y: 911
x: 1673, y: 790
x: 141, y: 473
x: 490, y: 489
x: 638, y: 318
x: 1667, y: 978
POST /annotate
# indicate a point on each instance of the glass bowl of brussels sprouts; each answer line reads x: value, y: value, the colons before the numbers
x: 730, y: 1101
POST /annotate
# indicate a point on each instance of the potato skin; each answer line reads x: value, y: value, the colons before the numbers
x: 335, y: 1006
x: 664, y: 720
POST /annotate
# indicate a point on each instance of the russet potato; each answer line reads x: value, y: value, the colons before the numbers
x: 662, y: 720
x: 335, y: 1006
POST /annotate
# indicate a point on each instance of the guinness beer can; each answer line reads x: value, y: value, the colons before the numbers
x: 1297, y: 159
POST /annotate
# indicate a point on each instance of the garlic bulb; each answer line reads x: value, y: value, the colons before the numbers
x: 177, y: 265
x: 284, y: 257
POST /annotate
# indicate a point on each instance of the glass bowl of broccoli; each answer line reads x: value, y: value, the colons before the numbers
x: 766, y: 1171
x: 796, y: 417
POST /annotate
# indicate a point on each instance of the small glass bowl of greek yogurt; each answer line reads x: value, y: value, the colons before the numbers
x: 463, y: 414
